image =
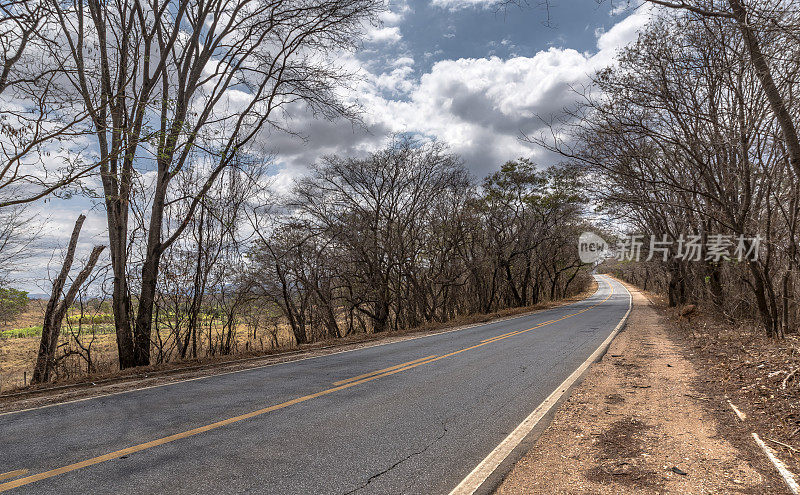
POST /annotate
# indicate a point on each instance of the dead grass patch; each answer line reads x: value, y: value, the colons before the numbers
x: 619, y: 448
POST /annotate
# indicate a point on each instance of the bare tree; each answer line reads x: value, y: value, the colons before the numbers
x: 37, y: 127
x: 404, y: 237
x: 201, y: 268
x: 57, y: 307
x: 164, y: 82
x: 680, y: 138
x: 17, y: 233
x: 755, y: 19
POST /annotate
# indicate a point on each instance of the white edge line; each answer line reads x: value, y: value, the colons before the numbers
x: 490, y: 463
x: 376, y: 344
x: 787, y: 475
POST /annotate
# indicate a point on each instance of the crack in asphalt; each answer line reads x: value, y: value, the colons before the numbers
x: 569, y: 348
x: 404, y: 459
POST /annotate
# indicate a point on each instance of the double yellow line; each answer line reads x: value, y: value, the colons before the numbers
x: 339, y: 385
x: 384, y: 370
x: 13, y: 474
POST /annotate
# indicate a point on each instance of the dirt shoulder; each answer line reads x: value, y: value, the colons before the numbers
x: 111, y: 383
x: 640, y: 412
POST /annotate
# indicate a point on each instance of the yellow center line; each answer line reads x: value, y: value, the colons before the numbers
x: 235, y: 419
x: 13, y: 474
x: 427, y: 360
x: 499, y: 336
x: 378, y: 372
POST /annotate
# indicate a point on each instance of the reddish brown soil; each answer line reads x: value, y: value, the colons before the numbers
x: 641, y: 411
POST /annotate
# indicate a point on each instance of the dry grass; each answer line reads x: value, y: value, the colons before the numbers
x: 32, y: 316
x: 18, y: 355
x: 761, y: 375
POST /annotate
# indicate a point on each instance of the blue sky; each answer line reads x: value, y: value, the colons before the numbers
x: 465, y: 72
x: 469, y: 73
x: 448, y: 31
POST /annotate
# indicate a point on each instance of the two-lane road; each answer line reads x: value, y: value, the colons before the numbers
x: 414, y: 416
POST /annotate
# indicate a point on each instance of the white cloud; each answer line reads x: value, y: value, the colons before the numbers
x: 478, y: 106
x: 388, y: 34
x: 625, y: 31
x: 481, y: 106
x: 403, y: 61
x: 396, y: 11
x: 391, y: 18
x: 463, y: 4
x: 396, y: 81
x: 622, y: 8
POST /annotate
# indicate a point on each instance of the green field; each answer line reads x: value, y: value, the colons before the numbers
x: 36, y: 331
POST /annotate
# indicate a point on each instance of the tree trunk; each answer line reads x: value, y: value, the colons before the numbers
x: 147, y: 296
x: 672, y: 290
x: 760, y: 293
x: 55, y: 311
x: 381, y: 312
x: 715, y: 284
x: 41, y: 371
x: 776, y: 101
x: 786, y: 290
x: 116, y: 214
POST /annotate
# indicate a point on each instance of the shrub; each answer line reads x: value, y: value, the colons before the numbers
x: 12, y: 303
x: 21, y: 333
x: 74, y: 319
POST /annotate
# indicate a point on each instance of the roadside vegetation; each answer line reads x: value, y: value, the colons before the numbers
x: 693, y: 134
x: 400, y: 240
x: 685, y: 137
x: 692, y: 131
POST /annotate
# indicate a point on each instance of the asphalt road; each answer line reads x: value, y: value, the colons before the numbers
x: 302, y: 427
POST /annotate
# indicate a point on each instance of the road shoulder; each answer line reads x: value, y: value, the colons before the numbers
x: 637, y: 425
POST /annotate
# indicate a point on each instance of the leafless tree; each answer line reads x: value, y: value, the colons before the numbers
x: 680, y: 137
x: 175, y: 84
x: 57, y: 307
x: 404, y: 238
x: 37, y: 128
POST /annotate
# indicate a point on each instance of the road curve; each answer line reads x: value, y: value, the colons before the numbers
x: 414, y: 416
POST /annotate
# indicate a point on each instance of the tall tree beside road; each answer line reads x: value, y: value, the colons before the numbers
x: 188, y: 84
x: 682, y: 137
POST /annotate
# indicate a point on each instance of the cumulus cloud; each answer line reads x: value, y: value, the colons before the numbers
x: 463, y: 4
x: 481, y: 106
x: 402, y: 61
x: 398, y: 81
x: 478, y: 106
x: 625, y: 31
x: 387, y: 34
x: 391, y: 18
